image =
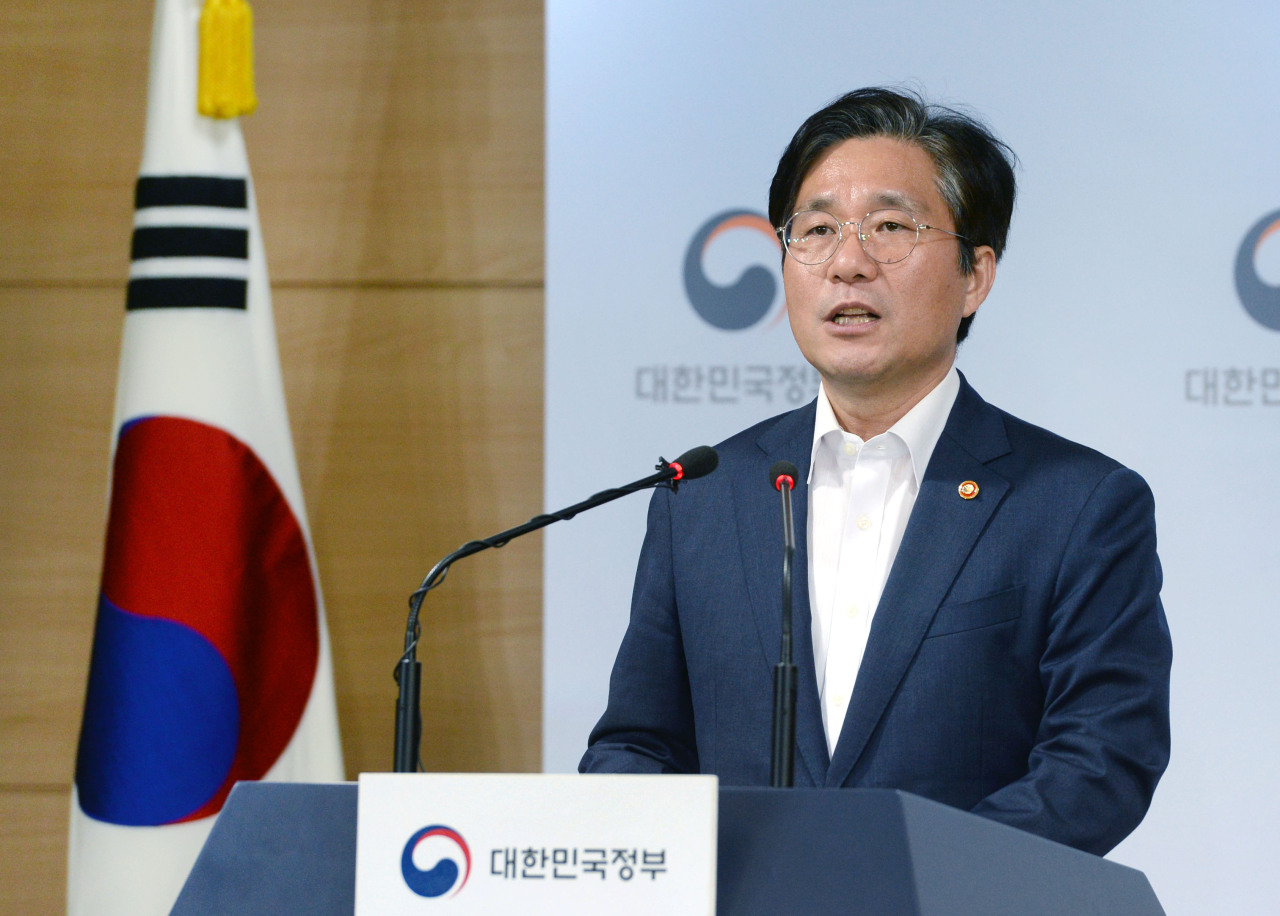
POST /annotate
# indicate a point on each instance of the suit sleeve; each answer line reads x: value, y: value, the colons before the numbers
x: 648, y: 725
x: 1103, y: 739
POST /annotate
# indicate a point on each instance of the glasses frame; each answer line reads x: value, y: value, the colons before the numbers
x: 840, y: 236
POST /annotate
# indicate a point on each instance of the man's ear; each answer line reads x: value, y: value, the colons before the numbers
x: 981, y: 277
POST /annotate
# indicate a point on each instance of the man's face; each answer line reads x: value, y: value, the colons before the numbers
x: 883, y: 331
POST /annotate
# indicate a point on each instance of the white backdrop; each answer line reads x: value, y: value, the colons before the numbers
x: 1147, y: 134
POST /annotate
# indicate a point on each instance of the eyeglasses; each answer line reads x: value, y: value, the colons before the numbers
x: 887, y: 236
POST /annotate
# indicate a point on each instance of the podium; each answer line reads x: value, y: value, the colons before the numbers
x: 290, y: 848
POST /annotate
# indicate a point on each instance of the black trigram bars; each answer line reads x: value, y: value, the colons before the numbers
x: 189, y: 241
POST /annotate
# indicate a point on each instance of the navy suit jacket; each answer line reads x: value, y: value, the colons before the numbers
x: 1018, y: 660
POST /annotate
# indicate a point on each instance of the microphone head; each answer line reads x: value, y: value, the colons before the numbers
x: 783, y: 470
x: 697, y: 462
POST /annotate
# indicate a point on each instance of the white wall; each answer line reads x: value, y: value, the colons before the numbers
x: 1147, y: 138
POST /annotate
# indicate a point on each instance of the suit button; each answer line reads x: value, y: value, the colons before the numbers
x: 864, y: 522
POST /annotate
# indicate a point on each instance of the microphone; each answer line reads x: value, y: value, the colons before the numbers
x: 782, y: 762
x: 695, y: 463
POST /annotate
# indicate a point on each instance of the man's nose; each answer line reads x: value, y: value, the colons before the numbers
x: 850, y: 260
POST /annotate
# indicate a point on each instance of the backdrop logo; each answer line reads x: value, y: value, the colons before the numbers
x: 744, y: 302
x: 449, y: 846
x: 1261, y: 300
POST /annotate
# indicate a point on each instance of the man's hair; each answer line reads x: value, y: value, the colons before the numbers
x: 974, y: 168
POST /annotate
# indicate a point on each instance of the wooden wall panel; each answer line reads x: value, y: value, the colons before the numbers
x: 33, y: 855
x: 417, y: 421
x: 393, y: 138
x: 403, y: 140
x: 58, y: 357
x: 396, y: 140
x: 73, y: 81
x: 417, y: 417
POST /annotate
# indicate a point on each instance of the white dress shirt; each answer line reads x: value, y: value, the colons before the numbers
x: 860, y: 498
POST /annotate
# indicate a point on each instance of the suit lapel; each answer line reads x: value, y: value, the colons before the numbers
x: 940, y: 535
x: 759, y: 517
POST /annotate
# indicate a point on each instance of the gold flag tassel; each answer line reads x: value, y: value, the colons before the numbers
x: 226, y: 59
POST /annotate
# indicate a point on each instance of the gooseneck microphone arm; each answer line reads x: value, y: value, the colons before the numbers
x: 697, y: 462
x: 782, y: 764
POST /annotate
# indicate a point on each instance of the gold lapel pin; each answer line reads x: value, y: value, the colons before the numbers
x: 968, y: 490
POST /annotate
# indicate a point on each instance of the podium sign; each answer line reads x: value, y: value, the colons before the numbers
x: 535, y: 844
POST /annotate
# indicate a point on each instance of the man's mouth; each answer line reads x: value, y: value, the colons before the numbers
x: 854, y: 315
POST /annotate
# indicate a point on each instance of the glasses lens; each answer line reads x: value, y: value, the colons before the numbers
x: 811, y: 236
x: 889, y: 235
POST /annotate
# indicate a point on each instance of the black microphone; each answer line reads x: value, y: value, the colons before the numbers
x: 782, y: 763
x: 695, y: 463
x: 784, y: 473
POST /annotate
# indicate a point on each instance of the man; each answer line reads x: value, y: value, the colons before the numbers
x: 980, y: 622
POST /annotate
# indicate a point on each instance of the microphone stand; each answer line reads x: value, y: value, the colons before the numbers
x: 782, y: 764
x: 408, y: 672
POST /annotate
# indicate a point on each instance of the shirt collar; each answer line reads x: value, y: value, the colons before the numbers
x: 920, y: 428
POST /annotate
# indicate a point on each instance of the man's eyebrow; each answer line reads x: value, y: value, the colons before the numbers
x: 895, y: 199
x: 899, y: 200
x: 821, y: 202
